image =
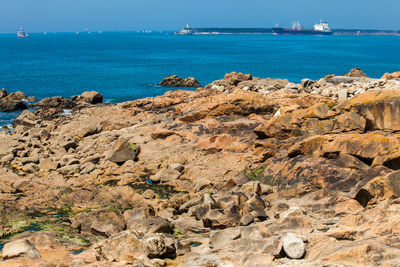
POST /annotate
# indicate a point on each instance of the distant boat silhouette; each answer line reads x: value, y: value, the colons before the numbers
x: 21, y: 33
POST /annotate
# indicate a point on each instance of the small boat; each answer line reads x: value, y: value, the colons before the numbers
x: 184, y: 31
x: 21, y: 33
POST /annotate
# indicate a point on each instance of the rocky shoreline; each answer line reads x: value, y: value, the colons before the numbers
x: 244, y: 171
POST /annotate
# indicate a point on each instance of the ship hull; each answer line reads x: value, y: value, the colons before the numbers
x: 287, y: 31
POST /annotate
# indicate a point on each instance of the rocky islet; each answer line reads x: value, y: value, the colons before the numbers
x: 243, y: 171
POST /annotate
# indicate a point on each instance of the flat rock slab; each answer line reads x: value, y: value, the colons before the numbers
x: 18, y: 248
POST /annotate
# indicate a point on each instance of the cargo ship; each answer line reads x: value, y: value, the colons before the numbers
x: 21, y: 33
x: 321, y: 28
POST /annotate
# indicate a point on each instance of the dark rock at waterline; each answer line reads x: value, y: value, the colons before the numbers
x: 14, y: 101
x: 3, y: 93
x: 51, y: 107
x: 55, y: 102
x: 7, y: 106
x: 175, y: 81
x: 15, y: 96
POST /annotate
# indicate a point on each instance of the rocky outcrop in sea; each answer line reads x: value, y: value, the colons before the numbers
x: 245, y: 171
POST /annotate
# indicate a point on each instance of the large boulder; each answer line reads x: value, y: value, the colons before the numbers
x: 128, y: 246
x: 15, y: 96
x: 381, y: 109
x: 11, y: 105
x: 149, y: 225
x: 103, y: 223
x: 175, y: 81
x: 380, y: 188
x: 18, y: 248
x: 55, y: 102
x: 92, y: 97
x: 390, y: 76
x: 356, y: 72
x: 123, y: 151
x: 26, y: 118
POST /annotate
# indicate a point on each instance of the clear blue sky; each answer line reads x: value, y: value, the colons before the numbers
x: 109, y: 15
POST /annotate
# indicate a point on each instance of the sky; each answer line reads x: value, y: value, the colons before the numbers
x: 117, y: 15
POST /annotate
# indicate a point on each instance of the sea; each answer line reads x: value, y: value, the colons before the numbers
x: 125, y: 66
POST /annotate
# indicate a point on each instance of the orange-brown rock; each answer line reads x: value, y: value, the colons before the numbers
x: 389, y: 76
x: 356, y: 72
x: 237, y: 103
x: 381, y: 109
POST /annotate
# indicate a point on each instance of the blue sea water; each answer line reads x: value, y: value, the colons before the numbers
x: 128, y: 65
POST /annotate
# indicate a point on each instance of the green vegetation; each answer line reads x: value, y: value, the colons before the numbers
x: 162, y: 191
x: 178, y: 233
x: 254, y: 174
x: 132, y: 146
x: 67, y: 191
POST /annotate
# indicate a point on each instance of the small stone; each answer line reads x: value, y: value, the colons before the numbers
x: 177, y: 167
x: 149, y: 194
x: 293, y: 246
x: 30, y: 168
x: 252, y: 187
x: 292, y: 212
x: 342, y: 94
x: 165, y: 175
x: 266, y: 189
x: 246, y: 220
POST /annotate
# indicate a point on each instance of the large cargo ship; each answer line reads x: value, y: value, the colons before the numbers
x: 321, y: 28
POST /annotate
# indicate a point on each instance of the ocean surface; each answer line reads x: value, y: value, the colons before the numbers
x: 128, y: 65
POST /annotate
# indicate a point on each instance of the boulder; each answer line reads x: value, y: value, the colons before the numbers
x: 128, y: 246
x: 390, y: 76
x: 3, y: 93
x: 7, y: 145
x: 234, y: 78
x: 380, y: 188
x: 26, y: 118
x: 293, y: 246
x: 18, y: 248
x: 103, y: 223
x: 306, y: 83
x: 149, y: 225
x: 15, y: 96
x: 356, y: 72
x: 123, y: 151
x: 343, y: 79
x: 166, y: 175
x: 252, y: 187
x: 55, y: 102
x: 92, y: 97
x: 293, y: 211
x: 12, y: 105
x: 381, y: 109
x: 175, y: 81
